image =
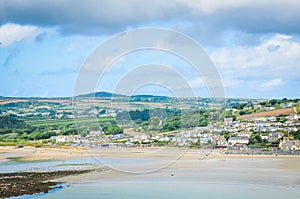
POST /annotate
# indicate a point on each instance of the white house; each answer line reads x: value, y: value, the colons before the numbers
x: 141, y: 138
x: 66, y: 138
x: 228, y: 121
x: 238, y: 140
x: 246, y: 134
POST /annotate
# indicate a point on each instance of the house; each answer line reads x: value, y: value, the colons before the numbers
x: 293, y: 117
x: 222, y: 143
x: 164, y: 139
x: 273, y: 136
x: 289, y: 145
x: 206, y: 140
x: 62, y: 138
x: 141, y: 138
x: 94, y: 134
x: 228, y: 121
x: 238, y: 141
x: 66, y: 138
x: 287, y: 105
x: 246, y: 134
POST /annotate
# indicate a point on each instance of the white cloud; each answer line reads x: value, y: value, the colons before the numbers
x: 261, y: 69
x: 263, y: 85
x: 278, y: 56
x: 217, y: 5
x: 272, y: 83
x: 198, y: 82
x: 11, y: 33
x: 214, y: 5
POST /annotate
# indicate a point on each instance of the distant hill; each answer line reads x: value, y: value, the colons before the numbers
x: 101, y: 94
x: 108, y: 94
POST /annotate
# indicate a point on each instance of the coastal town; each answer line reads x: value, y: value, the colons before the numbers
x: 244, y: 126
x: 266, y: 132
x: 161, y: 99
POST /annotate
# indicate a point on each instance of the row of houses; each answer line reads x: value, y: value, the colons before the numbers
x: 289, y: 145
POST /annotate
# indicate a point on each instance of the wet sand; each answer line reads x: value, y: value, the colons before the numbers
x: 42, y: 153
x: 163, y: 164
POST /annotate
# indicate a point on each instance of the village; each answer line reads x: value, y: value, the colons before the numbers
x: 244, y: 126
x: 255, y: 135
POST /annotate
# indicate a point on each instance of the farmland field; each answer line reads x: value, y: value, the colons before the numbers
x: 283, y: 111
x: 50, y: 122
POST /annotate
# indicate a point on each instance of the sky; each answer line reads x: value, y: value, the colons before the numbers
x: 254, y: 44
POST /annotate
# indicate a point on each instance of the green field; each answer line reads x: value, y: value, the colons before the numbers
x: 51, y: 122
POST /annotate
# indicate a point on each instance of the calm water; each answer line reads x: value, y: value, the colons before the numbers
x: 159, y: 185
x: 9, y: 166
x: 174, y: 190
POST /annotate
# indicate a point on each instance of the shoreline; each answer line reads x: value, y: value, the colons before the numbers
x: 188, y: 165
x: 27, y: 154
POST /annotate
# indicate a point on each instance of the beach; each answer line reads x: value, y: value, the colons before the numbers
x: 158, y: 168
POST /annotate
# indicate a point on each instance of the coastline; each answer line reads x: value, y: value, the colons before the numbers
x: 28, y: 183
x: 60, y: 153
x: 191, y: 165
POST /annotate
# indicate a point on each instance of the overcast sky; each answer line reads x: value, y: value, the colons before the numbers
x: 254, y: 44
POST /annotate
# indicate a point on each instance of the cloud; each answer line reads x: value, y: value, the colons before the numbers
x: 265, y: 85
x: 260, y: 69
x: 11, y: 33
x: 272, y: 83
x: 106, y: 17
x: 256, y: 62
x: 197, y: 82
x: 89, y: 17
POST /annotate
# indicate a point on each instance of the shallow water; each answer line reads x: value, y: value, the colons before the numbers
x: 9, y: 166
x: 174, y: 190
x: 233, y: 178
x: 52, y: 165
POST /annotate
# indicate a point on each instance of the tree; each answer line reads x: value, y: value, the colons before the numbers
x: 11, y: 121
x: 172, y: 123
x: 112, y: 129
x: 273, y: 102
x: 69, y: 131
x: 255, y: 139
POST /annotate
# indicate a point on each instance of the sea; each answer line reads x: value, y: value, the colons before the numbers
x: 167, y: 183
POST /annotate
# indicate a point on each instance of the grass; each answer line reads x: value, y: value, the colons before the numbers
x: 51, y: 122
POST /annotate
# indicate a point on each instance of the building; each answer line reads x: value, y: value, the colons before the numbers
x: 273, y: 136
x: 66, y: 138
x: 95, y: 134
x: 246, y: 134
x: 238, y: 141
x: 222, y: 143
x: 289, y: 145
x: 141, y: 138
x: 228, y: 121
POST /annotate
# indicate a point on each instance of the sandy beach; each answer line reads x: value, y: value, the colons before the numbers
x: 165, y: 164
x: 49, y: 153
x: 178, y: 156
